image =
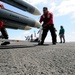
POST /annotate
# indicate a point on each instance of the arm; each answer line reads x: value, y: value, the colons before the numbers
x: 1, y: 5
x: 41, y: 19
x: 64, y: 31
x: 1, y: 23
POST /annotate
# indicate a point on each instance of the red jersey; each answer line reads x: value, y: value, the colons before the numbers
x: 1, y: 22
x: 47, y: 18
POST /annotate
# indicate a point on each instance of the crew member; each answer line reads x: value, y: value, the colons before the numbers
x: 62, y: 34
x: 3, y: 30
x: 47, y: 19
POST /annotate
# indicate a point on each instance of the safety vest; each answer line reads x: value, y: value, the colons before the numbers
x: 46, y: 18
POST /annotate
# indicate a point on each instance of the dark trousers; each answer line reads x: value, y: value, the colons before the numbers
x: 4, y: 33
x: 45, y: 31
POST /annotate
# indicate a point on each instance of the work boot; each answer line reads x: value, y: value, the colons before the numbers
x: 61, y: 42
x: 5, y: 43
x: 54, y: 43
x: 40, y: 43
x: 64, y: 42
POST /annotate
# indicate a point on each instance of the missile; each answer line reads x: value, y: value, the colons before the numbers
x: 13, y: 25
x: 23, y: 5
x: 17, y: 18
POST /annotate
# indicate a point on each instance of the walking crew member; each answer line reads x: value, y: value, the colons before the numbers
x: 3, y: 30
x: 47, y: 19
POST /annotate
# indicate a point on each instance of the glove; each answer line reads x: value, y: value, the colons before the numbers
x: 44, y: 26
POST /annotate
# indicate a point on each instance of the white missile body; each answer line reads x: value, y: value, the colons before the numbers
x: 23, y: 5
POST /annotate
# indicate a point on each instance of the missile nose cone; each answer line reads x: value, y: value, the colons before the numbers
x: 37, y: 24
x: 36, y: 12
x: 27, y: 28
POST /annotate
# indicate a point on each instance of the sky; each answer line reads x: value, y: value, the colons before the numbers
x: 64, y: 14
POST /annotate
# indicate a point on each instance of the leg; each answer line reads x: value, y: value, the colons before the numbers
x: 53, y: 34
x: 60, y: 38
x: 43, y: 35
x: 56, y: 37
x: 5, y: 35
x: 63, y: 39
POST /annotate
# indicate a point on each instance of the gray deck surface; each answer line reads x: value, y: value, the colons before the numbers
x: 27, y: 58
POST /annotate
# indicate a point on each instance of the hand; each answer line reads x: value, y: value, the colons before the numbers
x: 44, y: 26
